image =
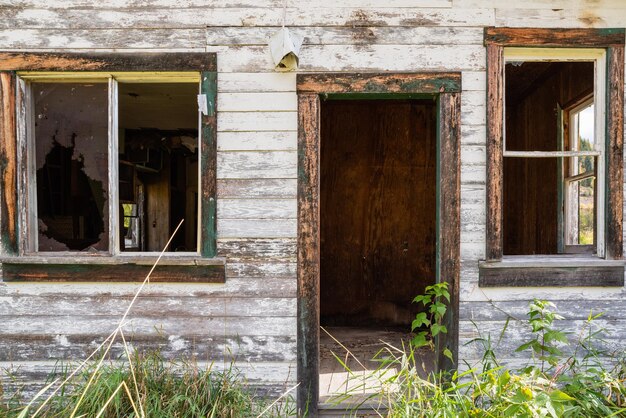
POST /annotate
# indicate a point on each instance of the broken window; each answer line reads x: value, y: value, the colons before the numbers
x: 139, y: 133
x: 71, y: 148
x: 550, y: 158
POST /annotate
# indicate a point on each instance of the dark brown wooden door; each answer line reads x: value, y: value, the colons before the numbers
x: 377, y: 209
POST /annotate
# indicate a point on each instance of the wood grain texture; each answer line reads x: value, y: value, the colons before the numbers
x: 308, y: 252
x: 208, y: 164
x: 614, y: 156
x: 284, y: 188
x: 495, y: 126
x: 18, y: 348
x: 449, y: 219
x: 258, y: 141
x: 123, y: 272
x: 80, y: 61
x: 201, y: 17
x: 575, y: 37
x: 378, y: 205
x: 279, y: 249
x: 250, y: 165
x: 426, y: 83
x: 256, y: 228
x: 550, y: 276
x: 8, y: 165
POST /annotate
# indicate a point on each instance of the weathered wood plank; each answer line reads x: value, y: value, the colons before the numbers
x: 258, y: 102
x: 353, y: 35
x: 474, y: 135
x: 279, y: 249
x: 474, y: 80
x: 554, y: 37
x: 257, y: 141
x: 567, y: 17
x: 473, y: 174
x: 448, y: 220
x: 148, y: 307
x: 261, y: 286
x: 250, y: 165
x: 154, y: 17
x: 257, y: 82
x: 308, y: 252
x: 205, y: 326
x: 208, y: 166
x: 257, y: 188
x: 615, y: 329
x: 473, y: 155
x: 538, y: 4
x: 491, y: 276
x: 105, y: 38
x: 615, y: 154
x: 262, y: 373
x: 473, y: 104
x: 257, y: 209
x: 495, y: 127
x: 19, y: 348
x: 370, y: 58
x: 262, y: 269
x: 127, y: 272
x: 256, y: 228
x: 256, y: 121
x: 570, y: 309
x: 473, y: 293
x: 80, y: 61
x: 184, y: 4
x: 426, y: 83
x: 8, y: 165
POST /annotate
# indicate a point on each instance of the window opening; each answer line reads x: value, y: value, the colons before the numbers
x: 580, y: 178
x: 71, y: 148
x: 551, y: 157
x: 158, y: 165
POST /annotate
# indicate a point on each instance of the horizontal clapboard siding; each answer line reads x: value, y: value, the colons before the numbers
x: 251, y: 317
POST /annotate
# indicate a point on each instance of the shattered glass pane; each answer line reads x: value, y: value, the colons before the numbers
x: 71, y: 147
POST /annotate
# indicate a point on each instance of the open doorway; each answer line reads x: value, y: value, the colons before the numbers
x: 377, y: 229
x: 395, y: 104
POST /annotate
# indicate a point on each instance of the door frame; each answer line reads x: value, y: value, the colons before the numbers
x: 445, y: 88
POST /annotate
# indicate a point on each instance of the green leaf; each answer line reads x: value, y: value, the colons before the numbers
x: 419, y: 340
x: 435, y: 329
x: 560, y: 396
x: 420, y: 319
x: 448, y: 354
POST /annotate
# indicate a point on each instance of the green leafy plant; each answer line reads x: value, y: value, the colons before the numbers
x: 434, y: 300
x: 587, y: 382
x: 544, y: 343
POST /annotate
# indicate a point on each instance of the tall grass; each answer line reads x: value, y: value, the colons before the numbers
x: 156, y: 388
x: 587, y: 382
x: 142, y: 386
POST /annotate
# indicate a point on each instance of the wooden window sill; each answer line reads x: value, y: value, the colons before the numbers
x: 99, y: 268
x: 551, y: 271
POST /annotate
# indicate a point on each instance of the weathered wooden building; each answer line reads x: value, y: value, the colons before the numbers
x: 475, y: 142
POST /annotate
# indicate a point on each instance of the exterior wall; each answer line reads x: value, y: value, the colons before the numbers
x: 253, y: 316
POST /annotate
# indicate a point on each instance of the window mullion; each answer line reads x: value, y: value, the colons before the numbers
x: 114, y: 228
